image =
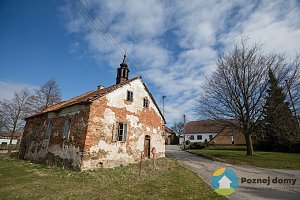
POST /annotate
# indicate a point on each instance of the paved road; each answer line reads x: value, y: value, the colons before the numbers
x: 205, y: 168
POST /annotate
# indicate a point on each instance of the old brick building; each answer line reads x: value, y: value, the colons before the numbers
x: 107, y: 127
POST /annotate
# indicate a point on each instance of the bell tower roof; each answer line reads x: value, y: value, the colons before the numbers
x: 122, y: 72
x: 124, y: 64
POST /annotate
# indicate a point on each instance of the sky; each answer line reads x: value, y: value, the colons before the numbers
x: 173, y: 45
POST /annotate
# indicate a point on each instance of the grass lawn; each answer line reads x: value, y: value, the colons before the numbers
x: 22, y: 180
x: 260, y: 159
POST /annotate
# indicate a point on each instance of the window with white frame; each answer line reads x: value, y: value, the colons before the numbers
x: 122, y: 131
x: 199, y: 137
x: 192, y: 137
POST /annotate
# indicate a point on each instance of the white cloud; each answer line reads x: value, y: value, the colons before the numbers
x: 275, y: 24
x: 199, y: 31
x: 7, y: 88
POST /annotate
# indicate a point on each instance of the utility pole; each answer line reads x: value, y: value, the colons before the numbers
x: 293, y: 105
x: 184, y: 132
x: 163, y: 98
x: 166, y: 137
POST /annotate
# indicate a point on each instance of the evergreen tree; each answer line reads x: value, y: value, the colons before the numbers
x: 280, y: 125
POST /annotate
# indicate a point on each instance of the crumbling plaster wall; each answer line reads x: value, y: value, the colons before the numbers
x: 101, y: 147
x: 56, y: 150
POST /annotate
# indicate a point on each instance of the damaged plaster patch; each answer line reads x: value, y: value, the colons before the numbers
x: 103, y: 145
x: 133, y: 120
x: 140, y: 143
x: 109, y: 120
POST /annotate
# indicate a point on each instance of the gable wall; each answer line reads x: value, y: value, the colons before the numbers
x: 224, y: 137
x: 101, y: 148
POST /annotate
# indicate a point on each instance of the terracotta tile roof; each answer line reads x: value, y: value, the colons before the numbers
x: 83, y: 98
x: 90, y: 96
x: 167, y: 129
x: 8, y: 134
x: 205, y: 126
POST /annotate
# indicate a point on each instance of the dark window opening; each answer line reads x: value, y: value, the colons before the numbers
x: 129, y: 96
x: 199, y: 137
x: 122, y: 132
x: 210, y: 137
x: 145, y: 103
x: 192, y: 137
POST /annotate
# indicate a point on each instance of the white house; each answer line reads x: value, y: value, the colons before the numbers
x: 224, y: 183
x: 5, y: 138
x: 201, y: 131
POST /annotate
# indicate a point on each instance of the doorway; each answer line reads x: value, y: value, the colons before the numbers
x: 147, y: 147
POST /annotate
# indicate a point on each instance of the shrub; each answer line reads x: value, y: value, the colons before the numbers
x: 198, y: 145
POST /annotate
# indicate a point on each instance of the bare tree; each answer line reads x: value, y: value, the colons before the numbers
x: 1, y: 123
x: 47, y: 95
x: 290, y: 79
x: 13, y: 113
x: 236, y: 89
x: 178, y: 127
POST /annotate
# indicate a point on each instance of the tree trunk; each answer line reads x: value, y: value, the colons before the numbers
x: 249, y: 145
x: 10, y: 143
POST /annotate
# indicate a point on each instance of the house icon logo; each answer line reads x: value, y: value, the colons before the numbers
x: 224, y: 181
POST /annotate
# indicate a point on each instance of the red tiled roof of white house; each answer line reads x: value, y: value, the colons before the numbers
x: 206, y: 126
x: 17, y: 134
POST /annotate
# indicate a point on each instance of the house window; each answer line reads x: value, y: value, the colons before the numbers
x: 199, y: 137
x: 210, y: 137
x: 122, y: 132
x: 145, y: 103
x: 129, y: 96
x: 37, y: 129
x: 192, y: 137
x: 48, y: 129
x: 66, y: 129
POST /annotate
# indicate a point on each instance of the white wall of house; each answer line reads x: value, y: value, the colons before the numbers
x: 7, y: 141
x: 198, y: 137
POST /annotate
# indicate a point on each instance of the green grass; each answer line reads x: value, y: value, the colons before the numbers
x: 23, y: 180
x: 275, y: 160
x: 227, y: 147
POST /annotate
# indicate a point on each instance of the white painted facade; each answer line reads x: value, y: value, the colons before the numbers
x: 198, y: 137
x: 7, y: 141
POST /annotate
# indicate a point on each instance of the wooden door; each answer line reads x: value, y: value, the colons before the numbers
x: 147, y: 147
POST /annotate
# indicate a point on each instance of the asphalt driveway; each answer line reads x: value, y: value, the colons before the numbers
x: 205, y: 168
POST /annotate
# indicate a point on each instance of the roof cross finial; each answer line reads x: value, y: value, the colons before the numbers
x: 124, y: 59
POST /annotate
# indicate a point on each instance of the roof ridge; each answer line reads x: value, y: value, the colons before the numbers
x: 85, y: 97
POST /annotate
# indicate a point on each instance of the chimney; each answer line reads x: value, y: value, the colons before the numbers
x: 100, y: 87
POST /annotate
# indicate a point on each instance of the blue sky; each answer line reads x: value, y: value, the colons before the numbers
x: 172, y: 44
